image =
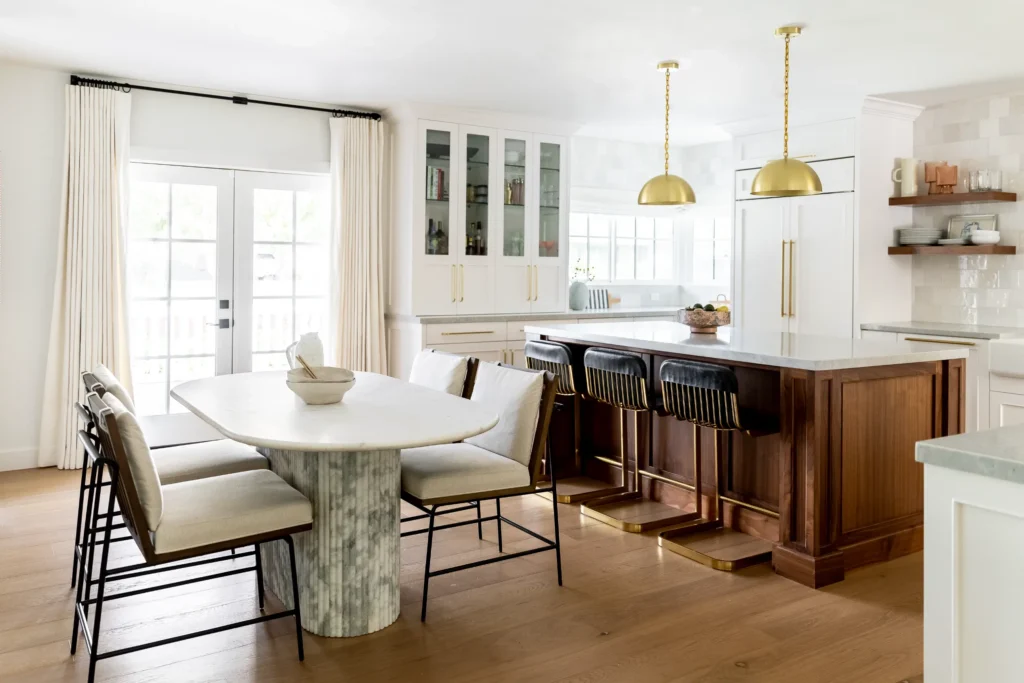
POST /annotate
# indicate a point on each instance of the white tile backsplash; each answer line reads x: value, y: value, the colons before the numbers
x: 985, y: 132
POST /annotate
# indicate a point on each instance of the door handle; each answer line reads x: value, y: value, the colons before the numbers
x: 536, y: 284
x: 792, y: 309
x: 462, y: 283
x: 782, y: 281
x: 529, y: 285
x: 451, y: 283
x: 223, y: 324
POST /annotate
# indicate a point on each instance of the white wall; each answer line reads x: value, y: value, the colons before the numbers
x: 31, y: 158
x: 984, y: 132
x: 606, y: 176
x: 167, y: 128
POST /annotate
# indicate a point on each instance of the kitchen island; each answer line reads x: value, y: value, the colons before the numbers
x: 836, y: 487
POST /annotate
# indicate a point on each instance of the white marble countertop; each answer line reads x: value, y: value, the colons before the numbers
x: 378, y: 413
x: 614, y: 312
x: 995, y: 453
x: 946, y: 329
x: 775, y: 349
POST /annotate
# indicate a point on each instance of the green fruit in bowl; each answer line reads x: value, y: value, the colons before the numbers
x: 697, y: 306
x: 709, y: 307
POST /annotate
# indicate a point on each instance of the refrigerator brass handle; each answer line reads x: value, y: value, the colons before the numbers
x: 939, y: 341
x: 462, y: 283
x: 792, y: 311
x: 451, y: 283
x: 782, y: 281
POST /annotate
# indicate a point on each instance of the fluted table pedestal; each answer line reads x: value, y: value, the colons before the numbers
x: 348, y: 565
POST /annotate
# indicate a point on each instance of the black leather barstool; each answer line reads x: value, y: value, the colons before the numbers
x: 707, y: 396
x: 620, y: 379
x: 557, y: 359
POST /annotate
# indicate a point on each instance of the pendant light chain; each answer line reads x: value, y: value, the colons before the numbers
x: 667, y: 74
x: 785, y: 114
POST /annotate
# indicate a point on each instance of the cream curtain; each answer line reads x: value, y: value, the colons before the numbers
x: 358, y: 212
x: 89, y: 320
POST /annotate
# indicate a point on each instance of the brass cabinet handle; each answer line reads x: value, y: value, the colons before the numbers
x: 529, y: 285
x: 456, y: 334
x: 462, y: 283
x: 536, y: 284
x: 782, y: 281
x: 939, y: 341
x: 792, y: 311
x: 451, y: 284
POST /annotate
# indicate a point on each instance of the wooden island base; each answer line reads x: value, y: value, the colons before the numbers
x: 836, y: 488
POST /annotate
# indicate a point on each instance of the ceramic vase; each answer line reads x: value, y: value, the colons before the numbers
x: 579, y: 296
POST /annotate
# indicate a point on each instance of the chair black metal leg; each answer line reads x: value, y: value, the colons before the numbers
x: 78, y: 524
x: 426, y: 565
x: 497, y: 503
x: 554, y: 507
x: 479, y: 524
x: 295, y: 595
x: 101, y: 588
x: 83, y: 550
x: 259, y: 575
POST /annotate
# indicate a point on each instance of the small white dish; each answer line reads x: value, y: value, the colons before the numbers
x: 985, y: 237
x: 330, y: 385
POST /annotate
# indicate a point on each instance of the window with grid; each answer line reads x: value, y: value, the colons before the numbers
x: 622, y: 248
x: 712, y: 251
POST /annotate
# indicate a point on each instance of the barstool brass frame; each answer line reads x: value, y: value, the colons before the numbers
x: 719, y: 411
x: 580, y: 488
x: 627, y: 393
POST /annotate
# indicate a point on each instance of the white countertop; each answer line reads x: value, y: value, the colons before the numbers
x: 776, y: 349
x: 613, y: 312
x: 995, y: 453
x: 378, y: 413
x: 946, y: 329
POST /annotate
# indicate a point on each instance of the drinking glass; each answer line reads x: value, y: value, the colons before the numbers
x: 995, y: 180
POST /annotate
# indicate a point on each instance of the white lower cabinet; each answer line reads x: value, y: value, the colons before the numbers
x: 492, y: 352
x: 977, y: 374
x: 1005, y: 409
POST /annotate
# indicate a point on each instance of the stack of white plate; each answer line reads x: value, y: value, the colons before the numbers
x: 918, y: 236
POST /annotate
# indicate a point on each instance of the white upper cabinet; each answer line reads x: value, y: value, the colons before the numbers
x: 830, y: 140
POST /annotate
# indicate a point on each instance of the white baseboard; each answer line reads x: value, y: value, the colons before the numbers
x: 18, y: 459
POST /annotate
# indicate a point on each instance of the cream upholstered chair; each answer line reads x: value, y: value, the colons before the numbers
x: 500, y: 463
x: 171, y: 522
x: 447, y: 372
x: 187, y: 462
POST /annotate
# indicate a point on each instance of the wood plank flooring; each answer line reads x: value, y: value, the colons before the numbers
x: 629, y: 611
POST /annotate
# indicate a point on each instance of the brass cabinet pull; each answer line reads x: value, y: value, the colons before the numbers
x: 782, y: 281
x: 529, y: 285
x: 939, y: 341
x: 456, y: 334
x: 792, y: 311
x: 451, y: 283
x: 462, y: 283
x: 536, y: 284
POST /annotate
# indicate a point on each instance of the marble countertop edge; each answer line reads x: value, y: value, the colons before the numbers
x: 995, y: 453
x: 945, y: 329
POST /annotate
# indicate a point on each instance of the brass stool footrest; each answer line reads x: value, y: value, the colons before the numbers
x: 721, y: 549
x: 633, y: 513
x: 580, y: 489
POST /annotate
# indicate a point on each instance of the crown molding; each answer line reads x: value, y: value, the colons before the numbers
x: 878, y: 106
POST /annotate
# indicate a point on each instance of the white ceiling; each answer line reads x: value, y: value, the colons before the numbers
x: 587, y: 61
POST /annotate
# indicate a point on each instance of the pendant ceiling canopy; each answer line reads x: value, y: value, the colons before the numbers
x: 666, y: 189
x: 786, y: 177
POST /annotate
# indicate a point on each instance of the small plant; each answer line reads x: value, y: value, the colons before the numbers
x: 581, y: 273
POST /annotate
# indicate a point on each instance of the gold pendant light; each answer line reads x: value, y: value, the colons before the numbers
x: 666, y: 189
x: 786, y: 177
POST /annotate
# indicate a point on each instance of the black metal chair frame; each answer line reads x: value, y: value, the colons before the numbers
x: 432, y: 512
x: 97, y: 534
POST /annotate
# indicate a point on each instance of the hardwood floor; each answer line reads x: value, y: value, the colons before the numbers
x: 629, y: 611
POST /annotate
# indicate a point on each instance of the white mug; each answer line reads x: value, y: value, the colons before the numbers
x: 906, y: 176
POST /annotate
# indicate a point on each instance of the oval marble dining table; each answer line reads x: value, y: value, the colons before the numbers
x: 345, y: 459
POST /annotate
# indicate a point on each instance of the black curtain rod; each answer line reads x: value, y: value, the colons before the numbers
x: 237, y: 99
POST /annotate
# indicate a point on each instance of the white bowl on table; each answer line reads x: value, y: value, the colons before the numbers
x: 330, y: 384
x: 985, y: 237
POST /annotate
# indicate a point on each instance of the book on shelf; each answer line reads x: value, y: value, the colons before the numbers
x: 436, y: 187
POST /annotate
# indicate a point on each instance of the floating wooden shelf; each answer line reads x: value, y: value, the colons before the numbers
x: 952, y: 199
x: 956, y: 249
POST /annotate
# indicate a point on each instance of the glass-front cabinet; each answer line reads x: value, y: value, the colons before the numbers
x: 491, y: 216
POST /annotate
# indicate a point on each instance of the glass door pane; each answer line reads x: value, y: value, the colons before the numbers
x: 282, y: 241
x: 550, y: 205
x: 438, y: 185
x: 515, y: 198
x: 179, y: 271
x: 477, y: 193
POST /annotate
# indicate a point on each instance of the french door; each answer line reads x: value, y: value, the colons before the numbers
x: 225, y: 269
